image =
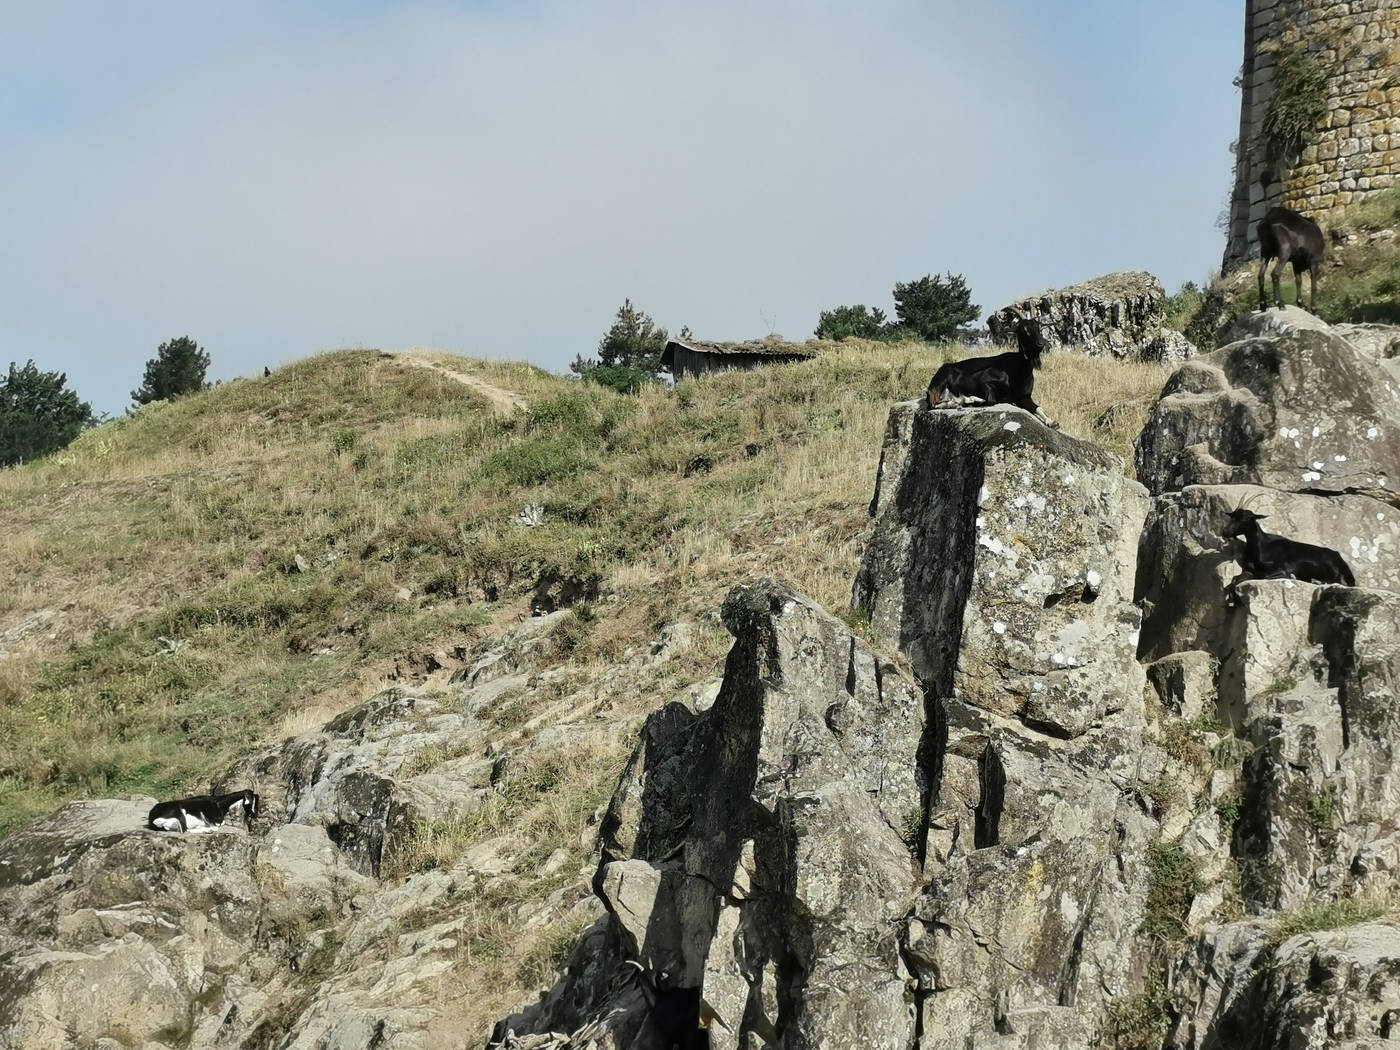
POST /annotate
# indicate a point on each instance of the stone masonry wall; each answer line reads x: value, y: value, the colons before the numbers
x: 1355, y: 149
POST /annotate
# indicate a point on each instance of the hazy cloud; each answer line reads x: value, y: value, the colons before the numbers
x: 495, y: 179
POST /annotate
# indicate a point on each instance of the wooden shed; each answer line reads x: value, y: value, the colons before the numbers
x: 691, y: 357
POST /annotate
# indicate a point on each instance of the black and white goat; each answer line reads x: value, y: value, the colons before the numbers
x: 1295, y: 240
x: 202, y: 812
x: 1269, y: 557
x: 1004, y: 379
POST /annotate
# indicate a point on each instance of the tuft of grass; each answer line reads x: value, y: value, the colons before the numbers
x: 1173, y: 882
x: 1333, y: 915
x: 1322, y: 811
x: 1140, y: 1021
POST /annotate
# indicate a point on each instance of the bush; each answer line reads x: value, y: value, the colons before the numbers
x: 1297, y: 104
x: 629, y: 354
x: 933, y: 307
x: 177, y: 369
x: 38, y: 414
x: 858, y: 320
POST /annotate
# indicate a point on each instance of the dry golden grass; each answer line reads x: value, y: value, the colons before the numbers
x: 188, y: 522
x: 1101, y: 399
x: 185, y: 523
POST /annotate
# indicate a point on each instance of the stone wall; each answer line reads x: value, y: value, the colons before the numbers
x: 1354, y: 150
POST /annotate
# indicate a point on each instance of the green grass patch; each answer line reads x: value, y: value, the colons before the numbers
x: 1334, y: 915
x: 1172, y: 884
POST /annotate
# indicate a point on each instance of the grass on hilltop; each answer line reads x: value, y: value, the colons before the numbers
x: 165, y: 546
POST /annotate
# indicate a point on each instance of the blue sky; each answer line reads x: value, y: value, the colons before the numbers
x: 276, y: 179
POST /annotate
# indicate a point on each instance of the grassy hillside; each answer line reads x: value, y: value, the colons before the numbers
x: 1360, y: 279
x: 216, y: 573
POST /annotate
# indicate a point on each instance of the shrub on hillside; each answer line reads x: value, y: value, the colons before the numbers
x: 177, y: 369
x: 859, y: 321
x: 38, y: 414
x: 629, y: 354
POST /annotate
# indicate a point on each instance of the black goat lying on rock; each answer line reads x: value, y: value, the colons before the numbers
x: 1291, y: 239
x: 1005, y: 379
x: 1269, y: 557
x: 201, y: 812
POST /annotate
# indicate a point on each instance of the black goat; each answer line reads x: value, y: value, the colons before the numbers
x: 1005, y: 379
x: 1295, y: 240
x: 1269, y: 557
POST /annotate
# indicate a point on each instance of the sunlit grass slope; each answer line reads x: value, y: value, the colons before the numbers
x: 1360, y: 280
x: 211, y: 574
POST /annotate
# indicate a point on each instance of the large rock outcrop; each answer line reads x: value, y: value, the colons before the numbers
x: 1300, y: 679
x: 1118, y: 315
x: 762, y: 852
x: 1185, y: 564
x: 1002, y: 562
x: 298, y: 933
x: 1301, y: 411
x: 110, y: 932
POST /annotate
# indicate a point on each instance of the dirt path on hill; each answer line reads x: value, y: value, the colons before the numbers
x: 502, y: 400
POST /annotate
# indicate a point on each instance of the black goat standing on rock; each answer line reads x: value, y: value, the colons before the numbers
x: 1291, y: 239
x: 1269, y: 557
x: 1004, y: 379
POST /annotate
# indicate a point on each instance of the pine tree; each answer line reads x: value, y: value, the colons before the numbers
x: 628, y: 355
x: 38, y: 414
x: 933, y: 308
x: 177, y: 369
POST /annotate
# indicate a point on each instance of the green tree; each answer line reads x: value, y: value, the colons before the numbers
x: 933, y: 307
x: 857, y: 320
x: 177, y: 369
x: 628, y: 355
x: 38, y: 414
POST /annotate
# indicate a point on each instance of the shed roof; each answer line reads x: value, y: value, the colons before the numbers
x: 748, y: 348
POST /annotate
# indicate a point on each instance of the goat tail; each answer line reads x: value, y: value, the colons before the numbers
x: 1347, y: 577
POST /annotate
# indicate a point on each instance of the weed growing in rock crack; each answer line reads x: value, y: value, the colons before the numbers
x: 1334, y: 915
x: 1167, y: 794
x: 912, y: 828
x: 1230, y: 752
x: 1229, y: 806
x: 1182, y: 741
x: 1282, y: 684
x: 573, y: 629
x: 1173, y: 881
x: 1322, y: 811
x: 429, y: 758
x: 1138, y: 1022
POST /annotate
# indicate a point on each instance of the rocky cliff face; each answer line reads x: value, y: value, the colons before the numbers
x: 1117, y: 315
x: 1044, y: 787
